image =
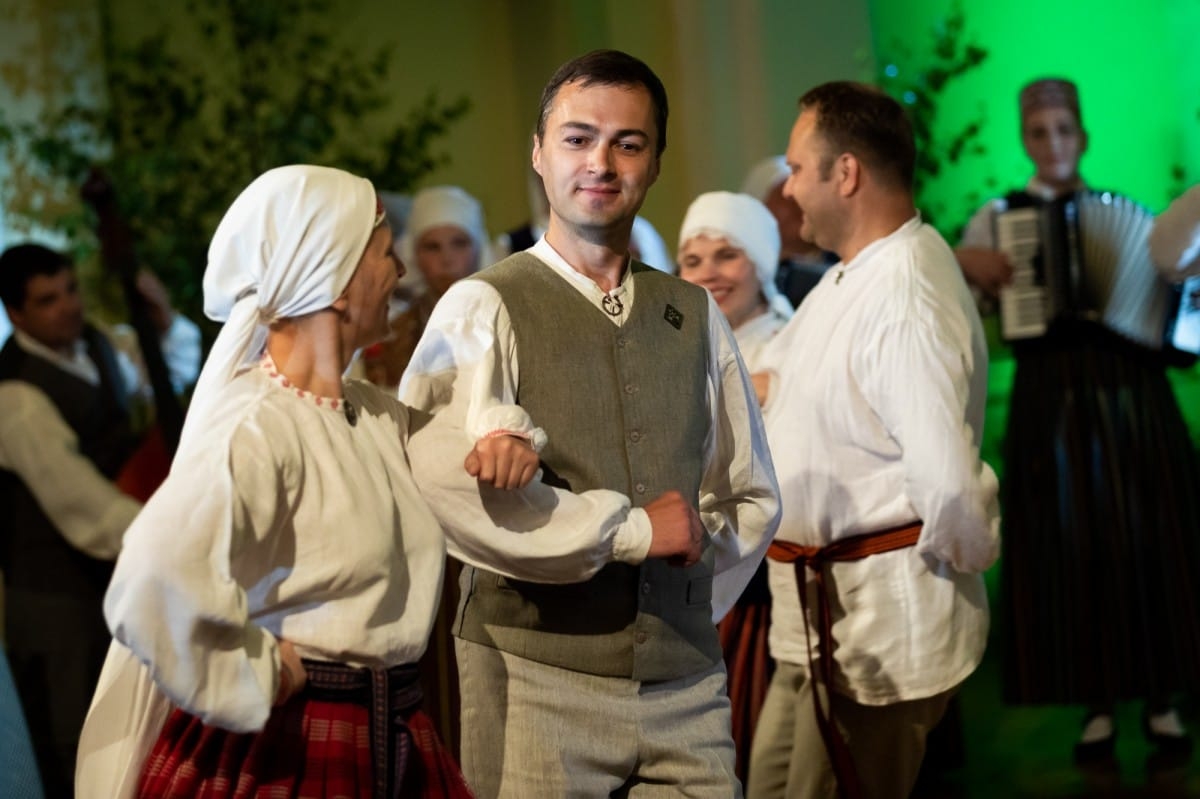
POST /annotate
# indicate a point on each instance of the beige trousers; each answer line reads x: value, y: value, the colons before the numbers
x: 533, y: 731
x: 887, y: 742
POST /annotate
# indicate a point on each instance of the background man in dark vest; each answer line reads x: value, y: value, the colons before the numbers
x: 606, y: 674
x: 64, y: 437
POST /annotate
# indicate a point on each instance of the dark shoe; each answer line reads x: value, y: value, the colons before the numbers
x: 1099, y: 751
x: 1096, y: 753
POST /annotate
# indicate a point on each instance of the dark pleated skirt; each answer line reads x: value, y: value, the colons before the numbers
x: 1102, y: 525
x: 743, y: 636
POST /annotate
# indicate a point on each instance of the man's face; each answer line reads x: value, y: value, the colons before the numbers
x: 597, y: 157
x: 53, y: 310
x: 813, y: 194
x: 1054, y: 142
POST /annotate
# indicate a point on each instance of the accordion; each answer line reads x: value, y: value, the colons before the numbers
x: 1086, y: 256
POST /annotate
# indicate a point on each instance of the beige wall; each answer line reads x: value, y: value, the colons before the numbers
x: 733, y: 70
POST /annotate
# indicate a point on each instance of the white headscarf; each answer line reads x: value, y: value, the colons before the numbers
x: 287, y: 246
x: 746, y: 224
x: 652, y: 250
x: 445, y: 205
x: 765, y: 176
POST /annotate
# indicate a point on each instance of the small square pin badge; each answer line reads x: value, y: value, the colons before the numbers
x: 673, y: 316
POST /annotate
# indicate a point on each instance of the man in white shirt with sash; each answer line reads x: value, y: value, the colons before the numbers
x: 605, y: 677
x: 874, y: 410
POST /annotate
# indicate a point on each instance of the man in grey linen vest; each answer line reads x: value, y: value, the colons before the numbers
x: 598, y: 671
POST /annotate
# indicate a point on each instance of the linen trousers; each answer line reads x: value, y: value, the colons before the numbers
x: 887, y: 742
x: 532, y: 730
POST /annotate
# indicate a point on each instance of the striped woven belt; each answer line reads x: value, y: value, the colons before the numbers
x: 389, y: 695
x: 815, y: 558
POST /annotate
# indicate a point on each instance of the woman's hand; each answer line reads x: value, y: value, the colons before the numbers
x: 504, y: 461
x: 292, y: 676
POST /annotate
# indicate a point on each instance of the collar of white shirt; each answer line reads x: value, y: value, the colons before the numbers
x: 77, y: 363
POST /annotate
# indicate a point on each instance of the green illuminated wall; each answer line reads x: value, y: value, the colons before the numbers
x: 1137, y: 66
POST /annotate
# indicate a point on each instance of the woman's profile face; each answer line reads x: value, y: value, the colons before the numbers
x: 445, y: 254
x: 366, y: 296
x: 1054, y: 142
x: 726, y: 272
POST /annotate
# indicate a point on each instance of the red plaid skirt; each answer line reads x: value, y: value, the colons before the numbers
x: 313, y: 746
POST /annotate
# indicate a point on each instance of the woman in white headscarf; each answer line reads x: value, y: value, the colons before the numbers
x: 447, y: 240
x: 272, y: 596
x: 729, y: 244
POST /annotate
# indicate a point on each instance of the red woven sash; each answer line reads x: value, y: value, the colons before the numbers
x: 815, y: 558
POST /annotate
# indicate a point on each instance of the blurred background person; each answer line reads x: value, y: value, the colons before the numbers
x: 1101, y: 512
x: 801, y: 262
x: 445, y: 240
x: 729, y: 244
x: 67, y: 441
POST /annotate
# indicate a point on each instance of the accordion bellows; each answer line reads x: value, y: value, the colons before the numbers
x: 1086, y: 255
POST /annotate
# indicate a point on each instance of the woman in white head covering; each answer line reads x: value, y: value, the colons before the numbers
x: 272, y: 596
x: 729, y: 244
x: 447, y: 240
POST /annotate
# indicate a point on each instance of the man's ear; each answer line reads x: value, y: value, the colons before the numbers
x: 848, y: 171
x: 536, y: 158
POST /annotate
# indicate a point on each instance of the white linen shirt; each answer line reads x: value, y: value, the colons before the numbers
x: 298, y: 525
x: 467, y: 363
x: 752, y: 336
x: 874, y: 415
x: 1175, y: 239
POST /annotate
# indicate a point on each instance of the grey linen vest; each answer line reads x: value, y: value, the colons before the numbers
x: 624, y: 409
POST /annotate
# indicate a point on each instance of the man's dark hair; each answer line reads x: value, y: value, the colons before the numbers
x: 861, y: 120
x: 608, y: 68
x: 20, y: 263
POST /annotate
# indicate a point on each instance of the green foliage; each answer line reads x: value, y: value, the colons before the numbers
x: 235, y: 87
x: 919, y: 78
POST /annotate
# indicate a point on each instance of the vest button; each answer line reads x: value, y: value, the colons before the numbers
x: 645, y: 588
x: 635, y: 436
x: 640, y: 488
x: 621, y: 342
x: 630, y: 388
x: 640, y: 638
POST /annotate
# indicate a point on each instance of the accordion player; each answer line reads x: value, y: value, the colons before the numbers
x: 1085, y: 256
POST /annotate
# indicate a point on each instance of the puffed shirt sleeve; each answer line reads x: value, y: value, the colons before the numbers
x: 739, y: 496
x: 917, y: 381
x: 174, y: 600
x: 1175, y: 238
x: 464, y: 373
x: 39, y: 447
